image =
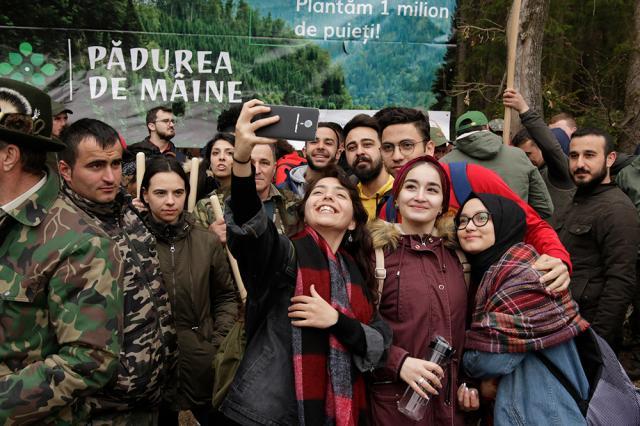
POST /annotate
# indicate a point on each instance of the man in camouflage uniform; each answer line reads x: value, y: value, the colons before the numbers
x: 60, y: 301
x: 91, y: 169
x: 280, y: 205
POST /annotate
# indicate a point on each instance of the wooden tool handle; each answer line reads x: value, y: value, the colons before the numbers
x: 140, y: 169
x: 217, y: 212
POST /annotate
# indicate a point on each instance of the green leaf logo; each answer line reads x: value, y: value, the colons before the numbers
x: 25, y: 65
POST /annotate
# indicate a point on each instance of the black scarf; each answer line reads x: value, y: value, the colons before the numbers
x: 509, y: 223
x: 105, y: 212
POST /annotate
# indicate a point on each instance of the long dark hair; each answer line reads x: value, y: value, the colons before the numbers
x: 361, y: 246
x: 162, y: 164
x: 206, y: 157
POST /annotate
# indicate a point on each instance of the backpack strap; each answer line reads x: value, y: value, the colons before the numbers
x: 466, y: 267
x: 460, y: 181
x: 381, y: 272
x: 583, y: 404
x: 391, y: 214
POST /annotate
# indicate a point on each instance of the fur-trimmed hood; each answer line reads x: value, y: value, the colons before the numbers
x: 385, y: 234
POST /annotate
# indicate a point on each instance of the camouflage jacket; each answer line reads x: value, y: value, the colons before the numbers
x: 60, y: 309
x: 284, y: 212
x: 149, y: 347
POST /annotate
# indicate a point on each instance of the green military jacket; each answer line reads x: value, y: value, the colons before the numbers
x: 60, y: 309
x: 284, y: 212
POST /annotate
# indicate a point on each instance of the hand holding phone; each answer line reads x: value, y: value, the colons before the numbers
x: 247, y: 127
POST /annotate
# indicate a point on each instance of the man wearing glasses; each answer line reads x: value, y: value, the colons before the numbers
x: 408, y: 131
x: 405, y: 134
x: 161, y: 125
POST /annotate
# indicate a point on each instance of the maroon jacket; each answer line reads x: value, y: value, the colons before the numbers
x: 424, y: 295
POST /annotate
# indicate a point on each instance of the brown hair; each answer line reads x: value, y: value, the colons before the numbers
x: 360, y: 247
x: 571, y: 121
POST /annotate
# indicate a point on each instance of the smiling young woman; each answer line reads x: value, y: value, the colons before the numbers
x: 311, y: 325
x: 423, y: 296
x: 516, y: 322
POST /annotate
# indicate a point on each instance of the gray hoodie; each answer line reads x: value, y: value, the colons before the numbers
x: 486, y: 149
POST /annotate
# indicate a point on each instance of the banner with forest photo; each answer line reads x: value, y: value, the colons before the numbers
x: 115, y: 59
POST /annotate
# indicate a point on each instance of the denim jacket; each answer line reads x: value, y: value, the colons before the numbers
x: 528, y: 394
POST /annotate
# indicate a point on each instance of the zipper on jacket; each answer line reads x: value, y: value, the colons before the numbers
x: 174, y: 302
x: 172, y: 249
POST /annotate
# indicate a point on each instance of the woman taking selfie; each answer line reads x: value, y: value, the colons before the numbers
x: 311, y: 324
x: 196, y: 276
x: 424, y: 295
x: 516, y: 320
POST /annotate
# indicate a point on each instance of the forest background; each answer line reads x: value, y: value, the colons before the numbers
x: 583, y: 55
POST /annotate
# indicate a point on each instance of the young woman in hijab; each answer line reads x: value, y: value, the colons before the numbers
x: 196, y: 276
x: 424, y: 295
x: 311, y: 324
x: 515, y: 317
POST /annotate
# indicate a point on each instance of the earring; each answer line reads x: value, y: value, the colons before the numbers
x: 350, y: 238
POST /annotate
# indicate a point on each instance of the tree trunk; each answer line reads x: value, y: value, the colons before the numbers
x: 461, y: 61
x: 528, y: 79
x: 631, y: 123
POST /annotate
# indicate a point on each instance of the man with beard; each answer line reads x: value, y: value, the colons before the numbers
x: 362, y: 146
x: 161, y: 126
x: 321, y: 152
x: 600, y: 229
x: 399, y: 125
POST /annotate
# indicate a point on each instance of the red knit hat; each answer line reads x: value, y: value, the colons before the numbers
x: 444, y: 179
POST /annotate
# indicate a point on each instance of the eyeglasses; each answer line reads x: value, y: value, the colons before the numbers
x: 406, y: 147
x: 166, y: 121
x: 479, y: 219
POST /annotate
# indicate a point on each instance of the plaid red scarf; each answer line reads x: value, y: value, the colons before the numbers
x: 515, y: 313
x: 329, y: 389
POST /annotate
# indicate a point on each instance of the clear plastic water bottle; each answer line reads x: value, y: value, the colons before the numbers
x: 412, y: 404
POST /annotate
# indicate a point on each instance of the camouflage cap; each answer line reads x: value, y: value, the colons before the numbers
x: 59, y: 108
x: 470, y: 119
x: 437, y: 136
x: 496, y: 125
x: 25, y: 116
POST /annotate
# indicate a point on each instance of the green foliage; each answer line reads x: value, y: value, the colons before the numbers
x: 294, y: 72
x: 585, y: 56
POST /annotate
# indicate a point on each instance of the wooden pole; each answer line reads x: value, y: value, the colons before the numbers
x: 193, y: 182
x: 512, y: 44
x: 140, y: 165
x: 217, y: 212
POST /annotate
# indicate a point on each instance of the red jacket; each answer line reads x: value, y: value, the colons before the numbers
x: 286, y: 163
x: 539, y: 233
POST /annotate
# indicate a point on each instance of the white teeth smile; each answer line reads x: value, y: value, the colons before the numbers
x: 327, y: 209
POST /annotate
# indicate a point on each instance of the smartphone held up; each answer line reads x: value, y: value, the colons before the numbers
x: 296, y: 123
